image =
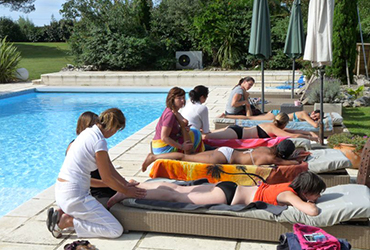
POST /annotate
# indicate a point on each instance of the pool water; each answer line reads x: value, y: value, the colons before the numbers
x: 36, y: 129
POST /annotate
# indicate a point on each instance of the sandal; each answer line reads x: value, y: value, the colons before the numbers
x: 55, y: 230
x: 79, y: 244
x: 49, y: 218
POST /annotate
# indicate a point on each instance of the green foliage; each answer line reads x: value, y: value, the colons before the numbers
x: 344, y: 39
x: 27, y: 27
x: 10, y: 30
x: 223, y: 30
x: 25, y: 6
x: 112, y: 35
x: 356, y: 92
x: 9, y: 59
x: 331, y: 91
x: 229, y: 52
x: 364, y: 9
x: 347, y: 138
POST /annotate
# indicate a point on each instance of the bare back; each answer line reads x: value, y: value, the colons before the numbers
x: 261, y: 156
x: 244, y: 195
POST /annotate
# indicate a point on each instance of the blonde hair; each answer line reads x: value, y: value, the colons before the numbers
x: 281, y: 120
x: 112, y: 119
x: 86, y: 120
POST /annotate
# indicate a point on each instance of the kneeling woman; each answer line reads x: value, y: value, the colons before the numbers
x: 72, y: 190
x: 301, y: 193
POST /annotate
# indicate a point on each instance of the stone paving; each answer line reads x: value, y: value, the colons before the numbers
x: 24, y: 227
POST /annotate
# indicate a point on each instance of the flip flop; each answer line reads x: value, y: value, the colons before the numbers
x: 56, y: 231
x: 49, y: 218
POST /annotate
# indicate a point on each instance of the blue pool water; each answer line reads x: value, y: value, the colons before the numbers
x: 36, y: 129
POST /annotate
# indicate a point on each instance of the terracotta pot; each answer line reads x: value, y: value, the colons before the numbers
x: 349, y: 150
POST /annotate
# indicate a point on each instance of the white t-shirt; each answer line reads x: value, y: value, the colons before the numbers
x: 80, y: 159
x: 197, y: 115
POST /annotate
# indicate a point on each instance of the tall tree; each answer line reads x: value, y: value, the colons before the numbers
x: 344, y: 39
x: 25, y: 6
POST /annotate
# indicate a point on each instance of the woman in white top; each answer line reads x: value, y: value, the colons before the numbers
x: 87, y: 153
x: 194, y: 112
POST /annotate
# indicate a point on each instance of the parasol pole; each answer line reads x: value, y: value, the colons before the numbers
x: 321, y: 132
x: 263, y: 87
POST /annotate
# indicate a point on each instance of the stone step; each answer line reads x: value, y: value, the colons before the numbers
x: 162, y: 78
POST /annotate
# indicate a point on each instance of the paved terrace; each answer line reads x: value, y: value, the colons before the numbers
x: 24, y: 227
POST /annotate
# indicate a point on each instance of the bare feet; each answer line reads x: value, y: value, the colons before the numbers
x: 65, y: 221
x: 115, y: 199
x: 149, y: 159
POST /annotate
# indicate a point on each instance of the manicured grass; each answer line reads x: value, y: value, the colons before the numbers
x: 357, y: 120
x: 41, y: 58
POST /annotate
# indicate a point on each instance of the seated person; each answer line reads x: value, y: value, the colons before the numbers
x: 263, y: 130
x: 238, y: 102
x: 312, y: 118
x: 226, y: 155
x: 195, y: 112
x: 302, y: 193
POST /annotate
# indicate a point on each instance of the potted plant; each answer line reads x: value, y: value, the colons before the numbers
x: 350, y: 145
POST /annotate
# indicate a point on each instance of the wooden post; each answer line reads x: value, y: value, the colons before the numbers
x: 363, y: 176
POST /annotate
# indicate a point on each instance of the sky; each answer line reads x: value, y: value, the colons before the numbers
x: 41, y: 16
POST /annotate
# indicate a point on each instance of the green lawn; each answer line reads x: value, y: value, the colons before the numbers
x: 41, y: 58
x: 357, y: 120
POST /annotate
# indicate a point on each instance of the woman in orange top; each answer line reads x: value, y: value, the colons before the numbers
x: 301, y: 193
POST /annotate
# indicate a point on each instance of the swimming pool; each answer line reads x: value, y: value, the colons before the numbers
x: 36, y: 129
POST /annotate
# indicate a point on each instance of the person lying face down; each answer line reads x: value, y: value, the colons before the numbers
x: 302, y: 193
x: 312, y: 118
x: 225, y: 155
x: 276, y: 128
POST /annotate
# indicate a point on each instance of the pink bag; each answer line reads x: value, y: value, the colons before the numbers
x: 315, y: 238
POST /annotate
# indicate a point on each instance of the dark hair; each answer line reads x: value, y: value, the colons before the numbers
x: 196, y: 93
x: 245, y: 79
x: 308, y: 183
x: 172, y: 94
x: 86, y: 120
x: 285, y: 149
x: 317, y: 111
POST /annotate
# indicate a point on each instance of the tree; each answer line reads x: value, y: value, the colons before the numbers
x: 344, y: 40
x: 11, y: 30
x: 25, y: 6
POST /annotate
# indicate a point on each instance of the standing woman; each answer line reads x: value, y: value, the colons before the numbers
x: 238, y: 102
x: 195, y: 112
x: 72, y: 190
x: 172, y: 133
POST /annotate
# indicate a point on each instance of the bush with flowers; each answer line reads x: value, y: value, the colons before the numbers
x: 347, y: 138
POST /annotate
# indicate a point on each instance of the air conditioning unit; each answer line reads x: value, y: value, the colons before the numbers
x: 189, y: 60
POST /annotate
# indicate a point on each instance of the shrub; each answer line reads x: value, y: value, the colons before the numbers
x: 356, y: 140
x: 331, y: 91
x: 11, y: 30
x: 9, y: 59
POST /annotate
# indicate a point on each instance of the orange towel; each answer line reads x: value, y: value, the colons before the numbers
x: 186, y: 171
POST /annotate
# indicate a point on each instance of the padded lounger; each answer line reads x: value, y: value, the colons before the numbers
x: 326, y: 162
x: 137, y: 219
x: 333, y: 123
x: 338, y: 204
